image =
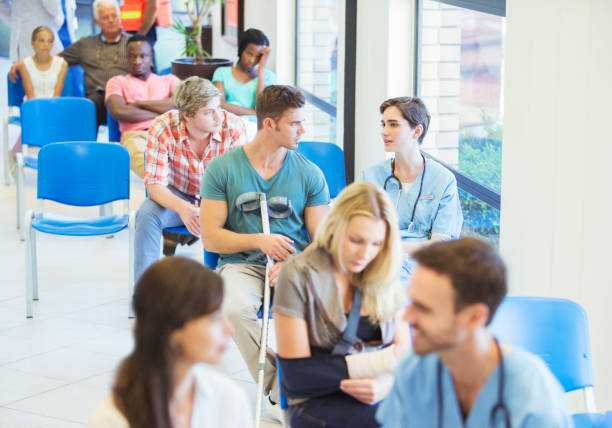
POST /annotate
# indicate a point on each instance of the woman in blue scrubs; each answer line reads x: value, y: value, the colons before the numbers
x: 424, y: 192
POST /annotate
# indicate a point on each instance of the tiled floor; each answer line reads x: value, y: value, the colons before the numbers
x: 55, y: 367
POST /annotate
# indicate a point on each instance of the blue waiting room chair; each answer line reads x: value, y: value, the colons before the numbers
x: 74, y: 86
x: 557, y: 331
x: 51, y: 120
x: 330, y: 158
x: 79, y: 174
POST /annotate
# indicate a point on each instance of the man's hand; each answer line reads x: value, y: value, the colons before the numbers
x: 263, y: 59
x: 276, y: 246
x: 367, y: 390
x: 13, y: 71
x: 190, y: 215
x: 273, y: 273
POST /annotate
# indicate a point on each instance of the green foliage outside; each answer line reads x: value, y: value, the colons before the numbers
x: 480, y: 159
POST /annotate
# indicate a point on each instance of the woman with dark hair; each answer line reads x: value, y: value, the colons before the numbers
x: 423, y: 191
x: 179, y: 326
x: 240, y: 84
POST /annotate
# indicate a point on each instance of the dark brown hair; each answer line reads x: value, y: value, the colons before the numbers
x: 274, y: 100
x: 413, y: 110
x: 476, y: 271
x: 42, y: 28
x: 169, y: 293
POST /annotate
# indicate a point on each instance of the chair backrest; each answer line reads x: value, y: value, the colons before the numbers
x: 113, y: 127
x: 74, y: 85
x: 165, y: 71
x: 556, y: 330
x: 51, y: 120
x: 14, y: 91
x: 83, y: 173
x: 330, y: 158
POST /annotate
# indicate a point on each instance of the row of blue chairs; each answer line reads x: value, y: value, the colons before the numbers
x: 74, y: 86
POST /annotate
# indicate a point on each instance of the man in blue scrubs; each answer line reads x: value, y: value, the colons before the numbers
x: 453, y: 376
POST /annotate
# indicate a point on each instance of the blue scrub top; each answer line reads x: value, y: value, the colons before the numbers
x: 438, y: 209
x: 531, y: 393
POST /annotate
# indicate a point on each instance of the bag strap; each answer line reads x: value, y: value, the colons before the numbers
x: 350, y: 332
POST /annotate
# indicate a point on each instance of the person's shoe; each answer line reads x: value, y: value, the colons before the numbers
x: 170, y: 243
x: 273, y: 411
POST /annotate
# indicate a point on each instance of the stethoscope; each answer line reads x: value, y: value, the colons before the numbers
x: 393, y: 177
x: 499, y: 406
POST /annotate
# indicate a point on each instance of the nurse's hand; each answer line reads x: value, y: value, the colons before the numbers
x: 368, y: 390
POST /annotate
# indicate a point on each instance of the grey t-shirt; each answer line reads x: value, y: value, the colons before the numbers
x: 306, y: 289
x: 296, y: 185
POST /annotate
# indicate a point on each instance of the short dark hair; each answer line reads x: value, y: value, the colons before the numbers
x: 139, y: 38
x: 274, y: 100
x: 413, y: 110
x: 476, y: 271
x: 252, y: 35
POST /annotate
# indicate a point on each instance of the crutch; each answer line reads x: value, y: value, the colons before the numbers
x: 263, y: 343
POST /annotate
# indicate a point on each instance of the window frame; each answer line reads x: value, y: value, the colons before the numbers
x: 494, y: 7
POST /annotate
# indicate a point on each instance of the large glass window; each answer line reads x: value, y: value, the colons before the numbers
x: 460, y: 79
x: 317, y: 65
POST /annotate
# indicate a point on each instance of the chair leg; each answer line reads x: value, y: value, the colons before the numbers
x: 589, y: 399
x: 5, y: 151
x: 20, y: 208
x: 132, y: 230
x: 29, y: 261
x: 34, y: 255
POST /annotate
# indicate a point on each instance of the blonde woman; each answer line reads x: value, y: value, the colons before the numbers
x: 335, y: 302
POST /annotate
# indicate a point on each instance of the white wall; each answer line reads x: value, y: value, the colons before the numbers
x: 556, y: 226
x: 385, y: 54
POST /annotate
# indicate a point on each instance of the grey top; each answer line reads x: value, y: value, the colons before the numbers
x: 307, y: 290
x: 100, y: 60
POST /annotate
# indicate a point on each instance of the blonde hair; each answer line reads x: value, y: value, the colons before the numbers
x: 379, y: 281
x: 193, y: 93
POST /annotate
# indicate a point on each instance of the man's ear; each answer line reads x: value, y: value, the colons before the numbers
x: 268, y: 123
x: 477, y: 315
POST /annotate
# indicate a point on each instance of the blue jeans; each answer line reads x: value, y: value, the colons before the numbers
x: 336, y: 410
x: 151, y: 219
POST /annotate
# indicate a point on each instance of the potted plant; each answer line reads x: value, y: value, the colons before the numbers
x: 197, y: 61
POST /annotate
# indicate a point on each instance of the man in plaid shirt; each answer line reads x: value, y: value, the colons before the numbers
x: 180, y: 145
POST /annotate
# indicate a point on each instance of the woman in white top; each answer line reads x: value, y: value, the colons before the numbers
x: 42, y: 74
x: 163, y: 383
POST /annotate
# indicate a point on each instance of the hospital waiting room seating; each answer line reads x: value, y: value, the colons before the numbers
x: 79, y: 174
x: 556, y: 330
x: 74, y: 86
x: 51, y: 120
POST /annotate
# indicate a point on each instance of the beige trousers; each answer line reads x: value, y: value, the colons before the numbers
x: 136, y: 143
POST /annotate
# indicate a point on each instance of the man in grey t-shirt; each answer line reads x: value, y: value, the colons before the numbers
x: 297, y: 198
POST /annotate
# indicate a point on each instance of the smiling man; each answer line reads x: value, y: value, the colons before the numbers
x: 137, y: 98
x: 297, y: 198
x: 180, y: 145
x: 459, y: 375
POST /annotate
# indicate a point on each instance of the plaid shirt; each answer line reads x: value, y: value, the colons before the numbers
x: 170, y: 161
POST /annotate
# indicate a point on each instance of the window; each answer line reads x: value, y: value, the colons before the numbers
x: 317, y: 66
x: 460, y: 62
